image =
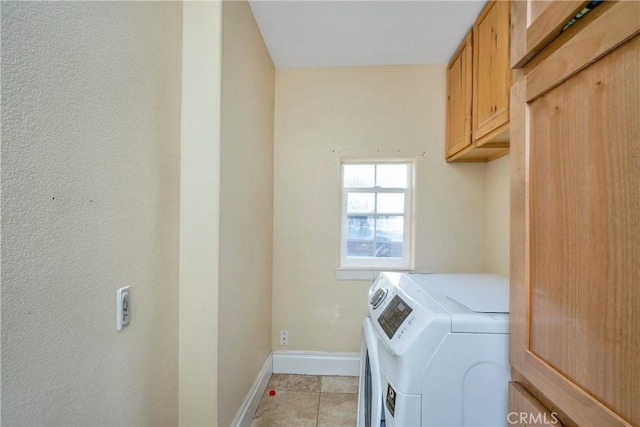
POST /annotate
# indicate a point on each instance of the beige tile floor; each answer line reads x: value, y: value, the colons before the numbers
x: 308, y: 400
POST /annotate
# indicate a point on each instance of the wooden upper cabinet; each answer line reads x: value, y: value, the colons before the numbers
x: 459, y: 98
x: 491, y: 72
x: 575, y: 220
x: 478, y: 81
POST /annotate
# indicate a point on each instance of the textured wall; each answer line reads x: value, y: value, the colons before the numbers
x: 199, y: 213
x: 323, y: 115
x: 497, y: 224
x: 90, y: 203
x: 246, y: 207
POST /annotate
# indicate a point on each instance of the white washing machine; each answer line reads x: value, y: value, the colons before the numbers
x: 435, y: 351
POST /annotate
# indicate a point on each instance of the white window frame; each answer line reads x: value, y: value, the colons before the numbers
x: 379, y: 263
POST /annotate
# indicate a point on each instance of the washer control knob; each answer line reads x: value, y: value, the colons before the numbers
x: 378, y: 297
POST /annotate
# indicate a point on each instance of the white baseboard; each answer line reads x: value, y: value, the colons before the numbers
x: 316, y: 363
x: 248, y: 408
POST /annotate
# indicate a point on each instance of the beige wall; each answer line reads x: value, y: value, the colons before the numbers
x: 323, y: 115
x: 497, y: 225
x: 90, y: 203
x: 246, y: 207
x: 199, y: 213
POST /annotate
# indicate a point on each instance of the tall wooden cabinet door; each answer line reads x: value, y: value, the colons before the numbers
x: 491, y: 71
x: 459, y: 98
x: 575, y: 276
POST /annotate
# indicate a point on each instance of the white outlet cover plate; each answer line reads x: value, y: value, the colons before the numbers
x: 119, y: 316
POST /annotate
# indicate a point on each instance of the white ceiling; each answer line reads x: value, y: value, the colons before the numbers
x: 352, y: 33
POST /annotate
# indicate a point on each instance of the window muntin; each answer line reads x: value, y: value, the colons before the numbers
x: 376, y: 214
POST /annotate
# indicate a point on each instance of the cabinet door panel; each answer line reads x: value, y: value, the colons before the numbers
x: 459, y: 99
x: 491, y: 71
x: 612, y: 26
x: 538, y: 23
x: 576, y: 237
x: 526, y: 411
x: 585, y: 229
x: 536, y: 7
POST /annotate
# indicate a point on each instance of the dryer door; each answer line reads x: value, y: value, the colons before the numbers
x: 370, y: 390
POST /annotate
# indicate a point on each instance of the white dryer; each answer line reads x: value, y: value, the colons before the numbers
x: 435, y: 351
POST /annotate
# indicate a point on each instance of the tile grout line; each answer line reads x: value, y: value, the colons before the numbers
x: 319, y: 396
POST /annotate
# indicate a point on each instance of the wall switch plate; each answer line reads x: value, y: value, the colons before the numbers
x: 123, y: 307
x: 284, y: 337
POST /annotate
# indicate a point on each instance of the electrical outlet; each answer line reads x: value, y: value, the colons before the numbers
x: 284, y: 337
x: 123, y: 308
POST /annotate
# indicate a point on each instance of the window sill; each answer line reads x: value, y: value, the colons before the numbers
x: 367, y: 274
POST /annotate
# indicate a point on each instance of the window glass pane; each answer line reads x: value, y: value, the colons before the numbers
x: 389, y: 250
x: 359, y: 176
x: 389, y: 236
x: 389, y: 228
x: 361, y: 202
x: 360, y: 248
x: 360, y: 227
x: 390, y: 203
x: 391, y: 176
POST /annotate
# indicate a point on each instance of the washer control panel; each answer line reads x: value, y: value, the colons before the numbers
x: 400, y: 311
x: 394, y: 315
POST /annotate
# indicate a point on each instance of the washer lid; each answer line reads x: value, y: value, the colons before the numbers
x: 477, y: 303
